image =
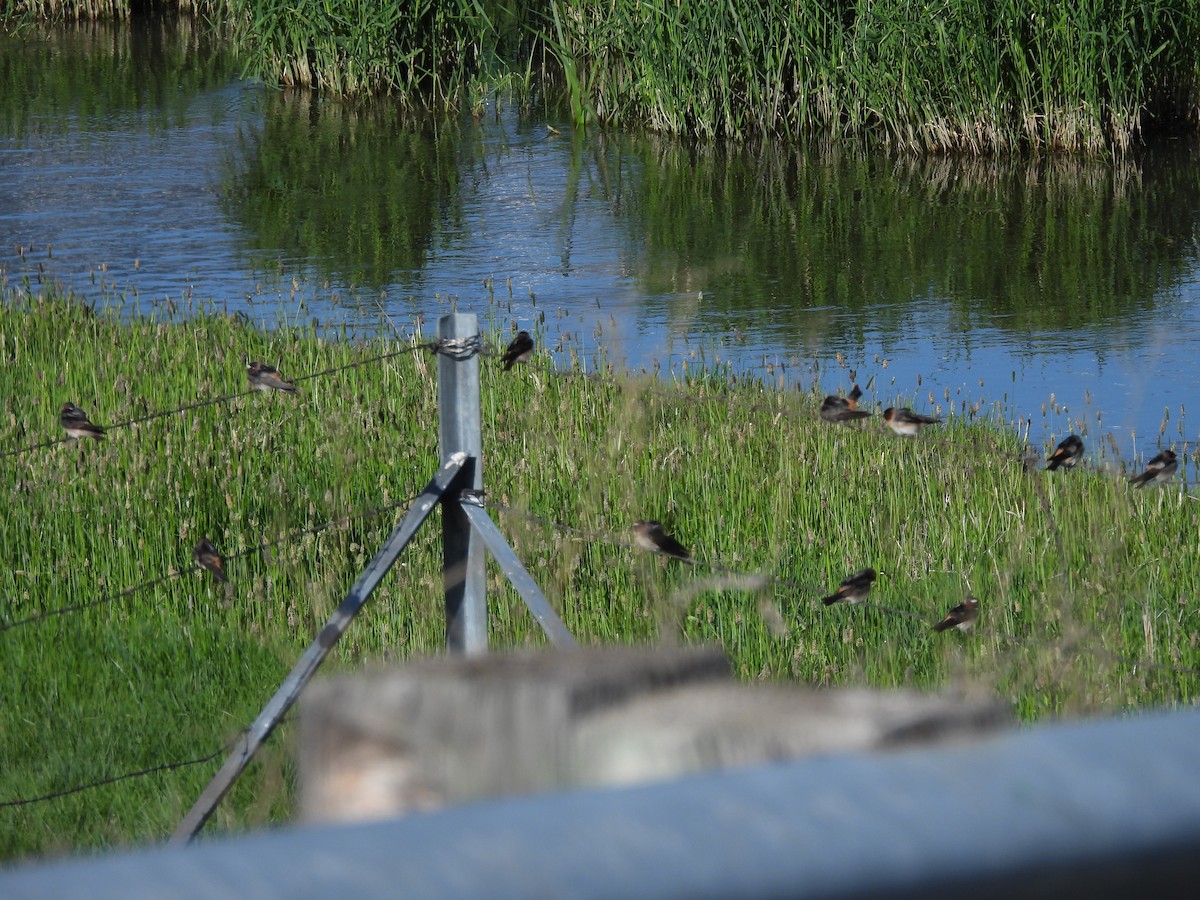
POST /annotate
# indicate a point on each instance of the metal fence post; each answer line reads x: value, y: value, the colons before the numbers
x: 459, y: 430
x: 247, y: 744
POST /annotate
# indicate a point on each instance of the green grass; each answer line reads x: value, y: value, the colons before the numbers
x: 1083, y: 581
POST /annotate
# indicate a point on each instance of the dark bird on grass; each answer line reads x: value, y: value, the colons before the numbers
x: 207, y: 557
x: 1067, y: 454
x: 519, y: 350
x: 75, y: 422
x: 267, y: 378
x: 906, y: 422
x: 853, y: 589
x: 1158, y: 469
x: 843, y: 409
x: 962, y: 617
x: 651, y: 536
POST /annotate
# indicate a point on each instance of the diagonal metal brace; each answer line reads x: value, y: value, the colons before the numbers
x: 555, y: 630
x: 306, y: 667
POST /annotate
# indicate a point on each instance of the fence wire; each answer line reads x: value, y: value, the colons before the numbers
x: 455, y: 349
x: 137, y: 773
x: 195, y: 567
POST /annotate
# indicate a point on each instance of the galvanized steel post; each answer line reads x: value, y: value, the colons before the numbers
x: 459, y: 431
x: 248, y: 743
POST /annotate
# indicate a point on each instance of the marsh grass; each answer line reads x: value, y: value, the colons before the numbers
x: 93, y: 10
x: 82, y: 10
x: 422, y: 53
x: 1089, y: 588
x: 966, y: 76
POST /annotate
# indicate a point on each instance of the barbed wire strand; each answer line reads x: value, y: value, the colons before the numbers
x: 176, y: 573
x: 66, y: 792
x: 459, y: 349
x: 100, y: 601
x: 138, y: 773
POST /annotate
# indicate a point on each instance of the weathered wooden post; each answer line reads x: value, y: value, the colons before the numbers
x: 459, y: 431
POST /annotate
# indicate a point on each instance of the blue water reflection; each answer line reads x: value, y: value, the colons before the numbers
x: 521, y: 223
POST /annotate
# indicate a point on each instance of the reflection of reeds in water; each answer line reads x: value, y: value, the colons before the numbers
x: 108, y: 68
x: 81, y: 10
x: 97, y: 10
x: 1042, y: 244
x: 357, y: 189
x: 103, y: 10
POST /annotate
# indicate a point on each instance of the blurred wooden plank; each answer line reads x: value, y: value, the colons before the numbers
x: 444, y: 731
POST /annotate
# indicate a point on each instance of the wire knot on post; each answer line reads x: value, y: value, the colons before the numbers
x: 458, y: 348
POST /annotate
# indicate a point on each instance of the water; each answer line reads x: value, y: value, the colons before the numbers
x: 135, y: 164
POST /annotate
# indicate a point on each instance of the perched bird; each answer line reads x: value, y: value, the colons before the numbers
x: 519, y: 350
x: 75, y: 422
x: 843, y: 409
x: 1160, y: 468
x: 1031, y: 459
x: 207, y: 557
x: 651, y: 536
x: 905, y: 421
x: 961, y: 617
x: 267, y: 378
x: 853, y: 589
x: 1069, y: 452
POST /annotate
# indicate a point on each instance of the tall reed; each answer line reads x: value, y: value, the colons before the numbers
x: 92, y: 10
x: 970, y: 76
x: 967, y: 75
x: 422, y: 52
x: 80, y: 10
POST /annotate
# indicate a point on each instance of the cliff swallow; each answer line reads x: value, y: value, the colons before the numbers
x: 267, y: 378
x: 519, y: 350
x: 1069, y: 452
x: 843, y: 409
x: 905, y: 421
x: 75, y: 422
x: 853, y: 589
x: 961, y: 617
x: 1160, y: 468
x: 207, y: 557
x: 651, y: 536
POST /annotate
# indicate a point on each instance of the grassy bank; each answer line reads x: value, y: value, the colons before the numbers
x: 1089, y: 589
x: 969, y: 76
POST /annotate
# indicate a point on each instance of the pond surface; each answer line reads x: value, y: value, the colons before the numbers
x: 136, y: 164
